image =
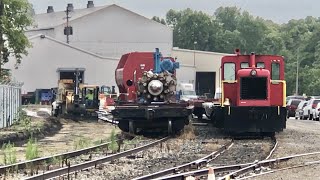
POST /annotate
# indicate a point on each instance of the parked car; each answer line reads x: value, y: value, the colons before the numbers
x: 292, y: 106
x: 295, y: 97
x: 312, y: 97
x: 299, y: 110
x: 309, y: 108
x: 316, y: 112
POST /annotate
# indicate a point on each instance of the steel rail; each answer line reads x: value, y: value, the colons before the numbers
x: 203, y: 172
x: 199, y: 162
x: 283, y: 169
x: 235, y: 168
x: 88, y: 164
x: 274, y: 147
x: 23, y: 165
x: 262, y: 163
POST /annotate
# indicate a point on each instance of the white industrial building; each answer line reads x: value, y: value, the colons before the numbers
x: 100, y: 36
x: 202, y: 68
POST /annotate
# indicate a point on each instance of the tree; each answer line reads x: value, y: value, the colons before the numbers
x: 157, y: 19
x: 14, y: 19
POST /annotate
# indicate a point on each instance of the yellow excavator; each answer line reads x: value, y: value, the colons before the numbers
x: 75, y: 99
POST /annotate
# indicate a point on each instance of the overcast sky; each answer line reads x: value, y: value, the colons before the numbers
x: 277, y: 10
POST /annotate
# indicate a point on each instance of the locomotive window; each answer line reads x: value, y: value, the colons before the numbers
x: 275, y: 71
x: 229, y: 71
x: 244, y: 65
x: 260, y: 65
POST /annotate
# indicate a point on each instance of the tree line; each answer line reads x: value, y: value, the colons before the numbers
x: 229, y: 28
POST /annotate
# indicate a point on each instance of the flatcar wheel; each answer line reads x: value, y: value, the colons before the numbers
x: 132, y: 129
x: 170, y: 128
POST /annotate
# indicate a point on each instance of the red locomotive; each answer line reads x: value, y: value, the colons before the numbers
x: 253, y: 94
x: 147, y: 85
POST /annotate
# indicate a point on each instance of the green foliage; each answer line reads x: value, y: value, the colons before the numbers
x: 56, y: 160
x: 157, y: 19
x: 14, y: 19
x: 113, y: 144
x: 230, y: 28
x: 9, y: 153
x: 81, y: 143
x: 32, y: 150
x: 23, y: 122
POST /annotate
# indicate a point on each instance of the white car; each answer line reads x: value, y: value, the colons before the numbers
x: 309, y: 108
x: 316, y: 112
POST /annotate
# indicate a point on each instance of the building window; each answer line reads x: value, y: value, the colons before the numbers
x: 260, y: 65
x: 275, y: 71
x: 229, y: 71
x: 244, y: 65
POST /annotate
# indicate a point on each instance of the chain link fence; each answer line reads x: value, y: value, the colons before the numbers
x: 10, y: 102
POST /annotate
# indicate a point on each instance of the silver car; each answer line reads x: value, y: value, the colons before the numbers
x: 299, y: 110
x: 316, y: 112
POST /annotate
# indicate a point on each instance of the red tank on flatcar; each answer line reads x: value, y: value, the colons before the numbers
x: 253, y: 94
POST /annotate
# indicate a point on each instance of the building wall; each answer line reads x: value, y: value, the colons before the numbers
x: 201, y: 61
x: 39, y: 69
x: 113, y: 31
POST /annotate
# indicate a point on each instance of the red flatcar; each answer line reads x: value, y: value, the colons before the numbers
x: 253, y: 94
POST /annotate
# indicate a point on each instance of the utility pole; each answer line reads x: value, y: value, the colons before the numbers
x: 297, y: 78
x: 1, y: 35
x: 68, y: 29
x: 194, y: 53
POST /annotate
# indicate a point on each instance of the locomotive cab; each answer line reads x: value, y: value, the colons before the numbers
x: 253, y: 94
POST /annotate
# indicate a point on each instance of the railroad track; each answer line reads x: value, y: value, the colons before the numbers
x: 269, y: 163
x: 219, y: 170
x: 240, y: 171
x: 194, y: 164
x: 92, y: 163
x: 46, y: 160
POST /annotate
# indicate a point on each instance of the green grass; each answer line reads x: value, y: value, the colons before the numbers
x: 9, y: 153
x: 113, y: 146
x: 32, y: 150
x: 81, y: 143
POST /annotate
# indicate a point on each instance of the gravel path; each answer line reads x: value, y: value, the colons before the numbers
x: 301, y: 136
x: 191, y: 145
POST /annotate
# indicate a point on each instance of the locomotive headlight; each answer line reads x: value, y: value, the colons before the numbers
x: 253, y: 72
x: 155, y: 87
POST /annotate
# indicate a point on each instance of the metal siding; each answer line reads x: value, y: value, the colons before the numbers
x: 10, y: 94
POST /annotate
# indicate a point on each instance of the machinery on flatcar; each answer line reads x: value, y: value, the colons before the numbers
x: 148, y: 98
x: 253, y: 94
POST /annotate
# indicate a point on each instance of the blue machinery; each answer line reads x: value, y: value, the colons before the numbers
x: 164, y: 65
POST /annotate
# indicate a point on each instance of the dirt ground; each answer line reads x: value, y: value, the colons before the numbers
x: 73, y: 135
x: 301, y: 136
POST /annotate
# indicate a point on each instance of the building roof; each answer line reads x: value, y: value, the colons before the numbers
x: 47, y: 21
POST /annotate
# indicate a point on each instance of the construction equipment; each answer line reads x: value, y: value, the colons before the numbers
x: 74, y: 98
